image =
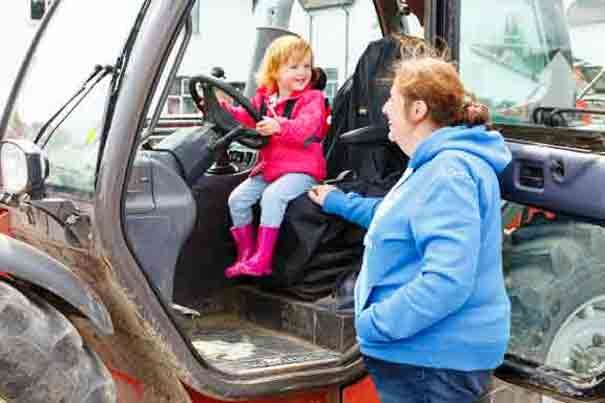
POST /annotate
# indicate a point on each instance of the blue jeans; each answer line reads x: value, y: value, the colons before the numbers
x: 402, y: 383
x: 274, y: 196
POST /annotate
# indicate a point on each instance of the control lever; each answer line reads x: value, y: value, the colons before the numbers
x: 222, y: 164
x: 225, y: 140
x: 343, y: 176
x: 366, y: 135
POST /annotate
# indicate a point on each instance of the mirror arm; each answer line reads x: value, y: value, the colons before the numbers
x: 77, y: 225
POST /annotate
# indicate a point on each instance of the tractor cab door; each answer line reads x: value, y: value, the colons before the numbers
x: 539, y: 67
x: 175, y: 201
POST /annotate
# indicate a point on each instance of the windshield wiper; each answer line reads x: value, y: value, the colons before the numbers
x: 555, y: 116
x: 98, y: 74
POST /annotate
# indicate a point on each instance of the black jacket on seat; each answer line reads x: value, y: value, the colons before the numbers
x: 358, y: 104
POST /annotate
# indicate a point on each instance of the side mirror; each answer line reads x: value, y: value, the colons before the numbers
x: 37, y: 9
x: 23, y: 167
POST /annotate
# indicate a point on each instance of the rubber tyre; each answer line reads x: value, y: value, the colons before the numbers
x: 43, y: 357
x: 552, y: 268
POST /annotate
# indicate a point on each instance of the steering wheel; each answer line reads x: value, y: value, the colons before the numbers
x: 230, y: 129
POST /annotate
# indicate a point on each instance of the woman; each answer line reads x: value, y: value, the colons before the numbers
x: 431, y: 310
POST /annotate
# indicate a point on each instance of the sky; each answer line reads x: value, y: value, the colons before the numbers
x: 16, y: 30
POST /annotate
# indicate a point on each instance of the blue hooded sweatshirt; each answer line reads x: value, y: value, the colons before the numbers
x: 431, y: 290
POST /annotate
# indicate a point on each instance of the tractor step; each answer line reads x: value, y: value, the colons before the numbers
x: 311, y: 322
x: 244, y: 330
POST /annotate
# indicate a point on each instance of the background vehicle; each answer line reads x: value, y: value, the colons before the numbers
x: 123, y: 245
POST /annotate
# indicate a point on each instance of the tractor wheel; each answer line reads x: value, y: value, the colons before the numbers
x: 43, y: 357
x: 555, y: 273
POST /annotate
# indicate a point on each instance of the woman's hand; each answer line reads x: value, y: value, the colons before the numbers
x: 318, y: 193
x: 268, y: 126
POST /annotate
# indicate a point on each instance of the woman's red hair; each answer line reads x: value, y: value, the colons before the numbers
x: 437, y: 83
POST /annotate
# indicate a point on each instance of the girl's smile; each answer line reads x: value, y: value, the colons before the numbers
x: 294, y: 75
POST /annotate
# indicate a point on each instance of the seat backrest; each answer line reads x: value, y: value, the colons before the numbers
x: 319, y: 79
x: 358, y: 103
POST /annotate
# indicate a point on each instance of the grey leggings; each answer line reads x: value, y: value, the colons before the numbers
x: 274, y: 198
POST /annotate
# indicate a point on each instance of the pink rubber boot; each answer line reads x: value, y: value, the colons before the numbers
x: 244, y: 243
x: 260, y: 263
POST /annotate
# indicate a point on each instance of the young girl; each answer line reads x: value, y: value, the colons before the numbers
x: 295, y: 122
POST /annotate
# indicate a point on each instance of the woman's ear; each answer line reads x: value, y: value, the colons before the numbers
x: 419, y: 111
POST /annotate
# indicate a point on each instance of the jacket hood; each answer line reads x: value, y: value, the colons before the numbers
x: 486, y: 144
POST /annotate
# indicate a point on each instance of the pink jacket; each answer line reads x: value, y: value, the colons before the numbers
x: 297, y: 147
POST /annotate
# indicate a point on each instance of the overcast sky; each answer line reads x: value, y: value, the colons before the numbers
x: 16, y: 31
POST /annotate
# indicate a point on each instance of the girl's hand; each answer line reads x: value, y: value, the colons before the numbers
x: 318, y: 193
x: 268, y: 126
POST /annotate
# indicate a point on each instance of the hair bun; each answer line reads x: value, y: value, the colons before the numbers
x: 475, y: 113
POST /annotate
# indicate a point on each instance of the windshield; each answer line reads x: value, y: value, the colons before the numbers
x: 58, y: 69
x: 338, y: 32
x: 526, y: 55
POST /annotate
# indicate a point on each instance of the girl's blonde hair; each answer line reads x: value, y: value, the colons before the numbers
x: 282, y: 50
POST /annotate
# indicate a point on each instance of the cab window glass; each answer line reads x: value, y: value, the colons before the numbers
x: 525, y: 58
x: 519, y: 57
x: 232, y: 53
x: 57, y: 73
x: 338, y: 35
x: 554, y: 267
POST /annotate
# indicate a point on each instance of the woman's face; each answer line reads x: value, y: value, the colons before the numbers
x: 404, y: 119
x: 395, y: 111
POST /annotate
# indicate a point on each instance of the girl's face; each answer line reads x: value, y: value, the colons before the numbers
x: 294, y: 75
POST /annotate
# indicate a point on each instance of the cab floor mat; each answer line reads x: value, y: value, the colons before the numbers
x: 238, y: 347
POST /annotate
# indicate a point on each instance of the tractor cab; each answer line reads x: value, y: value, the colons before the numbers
x: 117, y: 160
